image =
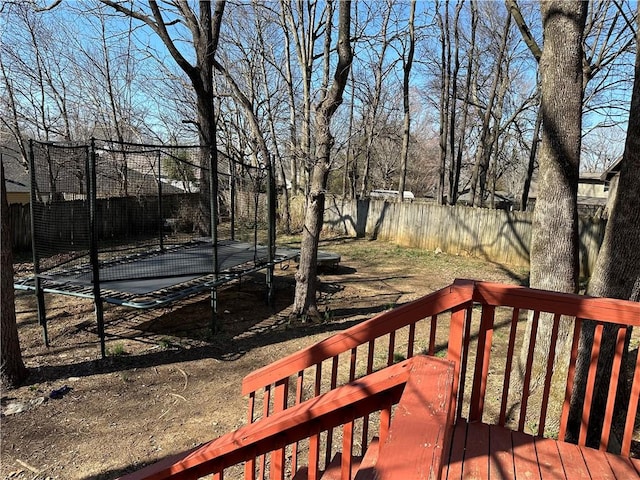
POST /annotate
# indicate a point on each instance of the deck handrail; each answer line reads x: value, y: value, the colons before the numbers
x: 452, y: 296
x: 400, y: 383
x: 585, y: 307
x: 461, y: 299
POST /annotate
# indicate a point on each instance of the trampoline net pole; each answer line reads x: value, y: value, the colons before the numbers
x: 271, y: 232
x: 41, y: 307
x: 213, y: 179
x: 95, y: 262
x: 160, y: 213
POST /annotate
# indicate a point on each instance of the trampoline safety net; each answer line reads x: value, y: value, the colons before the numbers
x: 142, y: 213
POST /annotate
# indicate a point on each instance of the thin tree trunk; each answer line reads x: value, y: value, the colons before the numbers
x: 372, y: 116
x: 479, y: 174
x: 452, y: 111
x: 348, y: 179
x: 12, y: 369
x: 445, y: 78
x: 532, y: 161
x: 465, y: 112
x: 406, y: 134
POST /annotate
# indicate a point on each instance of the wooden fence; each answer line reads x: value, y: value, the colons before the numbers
x: 68, y: 221
x: 495, y: 235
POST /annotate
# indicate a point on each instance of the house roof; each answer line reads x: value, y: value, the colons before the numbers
x: 612, y: 171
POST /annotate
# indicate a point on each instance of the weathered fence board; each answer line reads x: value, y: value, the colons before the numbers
x: 496, y: 235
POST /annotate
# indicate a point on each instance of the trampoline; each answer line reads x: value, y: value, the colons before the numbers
x: 142, y: 226
x: 159, y: 283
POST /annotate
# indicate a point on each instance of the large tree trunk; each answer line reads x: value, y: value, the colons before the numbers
x: 554, y: 238
x: 445, y: 98
x: 12, y: 369
x: 616, y: 275
x: 306, y: 277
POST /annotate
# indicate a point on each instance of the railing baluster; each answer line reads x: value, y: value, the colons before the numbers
x: 456, y: 352
x: 566, y: 405
x: 591, y: 378
x: 294, y: 447
x: 632, y: 410
x: 411, y: 340
x: 613, y: 388
x: 250, y: 465
x: 365, y: 420
x: 392, y: 347
x: 218, y: 476
x: 515, y: 317
x: 279, y: 404
x: 432, y: 335
x: 548, y: 373
x: 266, y: 399
x: 314, y: 440
x: 352, y: 365
x: 528, y: 369
x: 481, y: 371
x: 347, y: 451
x: 334, y: 380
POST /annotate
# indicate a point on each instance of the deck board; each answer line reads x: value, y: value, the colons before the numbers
x: 572, y: 461
x: 597, y: 464
x: 480, y: 451
x: 549, y: 460
x: 622, y: 467
x: 501, y: 464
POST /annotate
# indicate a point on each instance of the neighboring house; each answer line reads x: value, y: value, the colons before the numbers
x: 595, y: 190
x: 16, y: 177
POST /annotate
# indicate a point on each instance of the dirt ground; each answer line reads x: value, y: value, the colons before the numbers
x: 167, y: 383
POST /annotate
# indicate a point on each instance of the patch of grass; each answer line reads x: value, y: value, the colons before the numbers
x: 441, y: 353
x: 398, y: 357
x: 165, y: 343
x: 116, y: 350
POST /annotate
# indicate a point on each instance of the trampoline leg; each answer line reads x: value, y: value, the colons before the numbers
x: 271, y: 297
x: 214, y: 311
x: 100, y: 321
x: 42, y: 313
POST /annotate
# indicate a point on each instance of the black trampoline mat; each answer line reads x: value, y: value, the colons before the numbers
x: 143, y: 274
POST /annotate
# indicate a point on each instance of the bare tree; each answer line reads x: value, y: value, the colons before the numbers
x: 306, y: 278
x: 374, y: 98
x: 483, y: 154
x: 204, y: 27
x: 406, y: 75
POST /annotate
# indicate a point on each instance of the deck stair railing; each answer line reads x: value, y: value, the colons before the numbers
x: 403, y: 384
x: 478, y: 327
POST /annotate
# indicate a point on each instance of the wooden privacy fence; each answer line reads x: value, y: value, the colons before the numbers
x: 117, y: 215
x: 495, y: 235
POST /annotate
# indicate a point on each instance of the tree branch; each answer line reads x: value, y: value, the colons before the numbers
x: 513, y: 7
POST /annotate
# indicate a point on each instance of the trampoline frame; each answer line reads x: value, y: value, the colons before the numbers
x: 41, y: 282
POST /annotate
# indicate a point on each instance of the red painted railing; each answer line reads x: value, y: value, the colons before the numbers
x: 402, y: 383
x: 479, y: 327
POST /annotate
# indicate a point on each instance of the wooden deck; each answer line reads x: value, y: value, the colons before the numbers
x: 481, y: 451
x: 329, y: 400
